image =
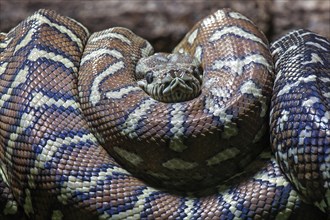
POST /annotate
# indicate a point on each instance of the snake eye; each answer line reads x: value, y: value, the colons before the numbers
x: 198, y: 72
x: 149, y: 77
x: 172, y: 73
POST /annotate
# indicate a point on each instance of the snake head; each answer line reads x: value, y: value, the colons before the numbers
x: 170, y: 77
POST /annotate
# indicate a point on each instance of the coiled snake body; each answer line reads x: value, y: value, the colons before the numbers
x: 69, y: 100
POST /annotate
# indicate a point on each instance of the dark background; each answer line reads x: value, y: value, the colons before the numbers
x: 165, y: 22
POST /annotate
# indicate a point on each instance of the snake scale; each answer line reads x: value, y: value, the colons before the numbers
x: 100, y: 127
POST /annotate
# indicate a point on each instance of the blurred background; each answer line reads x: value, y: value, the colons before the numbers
x: 165, y: 22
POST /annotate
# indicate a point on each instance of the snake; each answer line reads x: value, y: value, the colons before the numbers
x: 99, y: 126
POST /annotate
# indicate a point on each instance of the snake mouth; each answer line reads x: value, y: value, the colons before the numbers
x: 165, y: 93
x: 180, y: 89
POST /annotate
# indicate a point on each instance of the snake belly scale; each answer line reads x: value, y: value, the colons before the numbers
x: 80, y: 139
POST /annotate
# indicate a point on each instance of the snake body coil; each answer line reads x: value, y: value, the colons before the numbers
x: 300, y: 117
x: 70, y: 103
x: 192, y: 144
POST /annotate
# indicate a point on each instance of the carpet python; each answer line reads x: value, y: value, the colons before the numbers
x: 98, y: 126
